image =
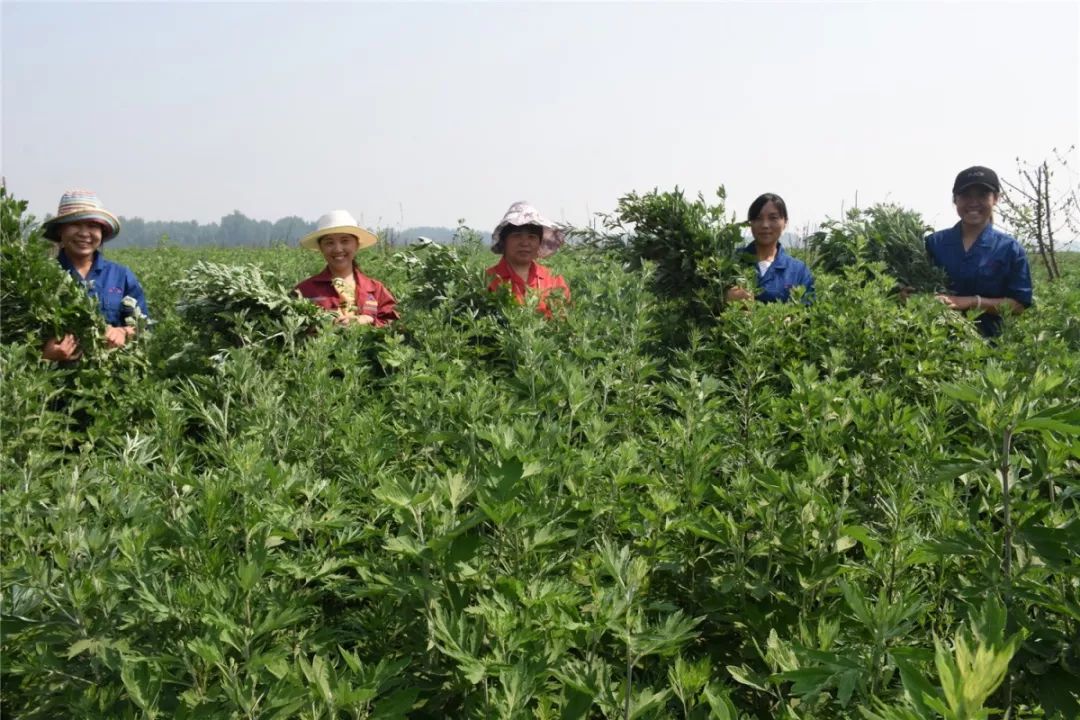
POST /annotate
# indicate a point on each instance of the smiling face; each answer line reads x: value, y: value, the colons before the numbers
x: 338, y: 249
x: 975, y: 205
x: 769, y: 225
x: 521, y: 245
x: 80, y: 239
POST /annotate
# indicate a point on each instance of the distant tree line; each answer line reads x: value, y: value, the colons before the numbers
x: 238, y: 230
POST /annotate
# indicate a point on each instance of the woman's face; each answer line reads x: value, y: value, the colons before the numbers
x: 338, y: 249
x: 975, y: 205
x: 80, y: 239
x: 521, y: 245
x: 769, y: 225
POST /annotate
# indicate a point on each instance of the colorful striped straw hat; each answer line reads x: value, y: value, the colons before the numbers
x: 76, y: 205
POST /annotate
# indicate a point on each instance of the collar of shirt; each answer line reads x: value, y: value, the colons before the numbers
x: 779, y: 261
x: 537, y: 273
x: 96, y: 266
x: 984, y: 240
x: 364, y: 284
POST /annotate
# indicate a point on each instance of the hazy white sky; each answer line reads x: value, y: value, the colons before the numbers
x: 422, y: 113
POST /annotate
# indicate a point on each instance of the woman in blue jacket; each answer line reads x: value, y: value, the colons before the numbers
x: 777, y: 272
x: 987, y: 269
x: 79, y: 228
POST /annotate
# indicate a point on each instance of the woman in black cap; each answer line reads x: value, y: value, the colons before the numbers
x: 987, y: 269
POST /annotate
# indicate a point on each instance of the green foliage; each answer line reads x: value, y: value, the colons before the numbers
x: 968, y: 675
x: 440, y: 275
x: 883, y: 233
x: 39, y: 299
x: 479, y: 513
x: 691, y: 248
x: 237, y: 305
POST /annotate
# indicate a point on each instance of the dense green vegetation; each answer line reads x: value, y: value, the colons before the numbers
x: 795, y: 511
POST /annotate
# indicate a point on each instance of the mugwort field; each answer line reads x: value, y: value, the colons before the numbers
x: 654, y: 505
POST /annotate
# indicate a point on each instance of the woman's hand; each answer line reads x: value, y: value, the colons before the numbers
x: 354, y: 320
x: 958, y: 302
x: 737, y: 293
x: 116, y: 336
x: 67, y: 348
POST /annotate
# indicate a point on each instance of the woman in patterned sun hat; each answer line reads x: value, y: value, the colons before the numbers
x: 341, y: 288
x: 80, y: 227
x: 522, y: 237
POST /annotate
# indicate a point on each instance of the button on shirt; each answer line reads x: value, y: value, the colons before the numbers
x: 785, y: 273
x: 371, y: 296
x: 996, y: 266
x: 109, y: 283
x: 540, y: 279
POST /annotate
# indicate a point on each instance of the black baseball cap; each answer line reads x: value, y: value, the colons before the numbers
x: 977, y: 175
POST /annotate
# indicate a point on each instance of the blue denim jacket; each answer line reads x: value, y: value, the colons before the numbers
x: 996, y: 266
x: 785, y: 273
x: 109, y: 283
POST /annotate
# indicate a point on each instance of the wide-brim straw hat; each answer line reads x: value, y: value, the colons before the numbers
x: 81, y: 206
x: 522, y: 213
x: 338, y: 221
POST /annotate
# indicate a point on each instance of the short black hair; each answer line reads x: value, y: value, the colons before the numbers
x: 536, y: 229
x: 762, y: 200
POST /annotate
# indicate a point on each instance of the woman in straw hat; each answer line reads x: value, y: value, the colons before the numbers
x: 341, y: 288
x: 521, y: 238
x: 987, y: 269
x: 80, y: 227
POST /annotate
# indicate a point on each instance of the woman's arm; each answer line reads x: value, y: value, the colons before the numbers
x: 1018, y: 286
x: 981, y: 304
x: 134, y: 290
x: 387, y: 311
x: 807, y: 280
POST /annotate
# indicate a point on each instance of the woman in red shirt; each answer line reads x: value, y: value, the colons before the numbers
x: 521, y: 238
x: 341, y: 288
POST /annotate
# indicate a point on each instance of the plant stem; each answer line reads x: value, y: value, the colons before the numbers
x: 1006, y: 448
x: 1006, y: 563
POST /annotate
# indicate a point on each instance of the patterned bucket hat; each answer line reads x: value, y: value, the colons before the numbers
x: 82, y: 205
x: 522, y: 213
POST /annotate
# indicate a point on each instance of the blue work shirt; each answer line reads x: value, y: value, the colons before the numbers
x: 785, y: 273
x: 109, y: 283
x: 996, y: 266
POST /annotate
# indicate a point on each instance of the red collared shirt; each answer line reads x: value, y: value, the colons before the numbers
x: 540, y: 278
x: 372, y: 297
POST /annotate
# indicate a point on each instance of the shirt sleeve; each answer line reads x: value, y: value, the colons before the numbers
x: 807, y: 280
x: 560, y: 283
x: 1018, y: 286
x: 387, y: 311
x: 133, y: 289
x: 928, y: 243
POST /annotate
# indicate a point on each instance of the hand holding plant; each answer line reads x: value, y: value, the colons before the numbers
x: 958, y: 302
x: 737, y: 293
x: 61, y: 350
x: 349, y: 318
x: 116, y: 337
